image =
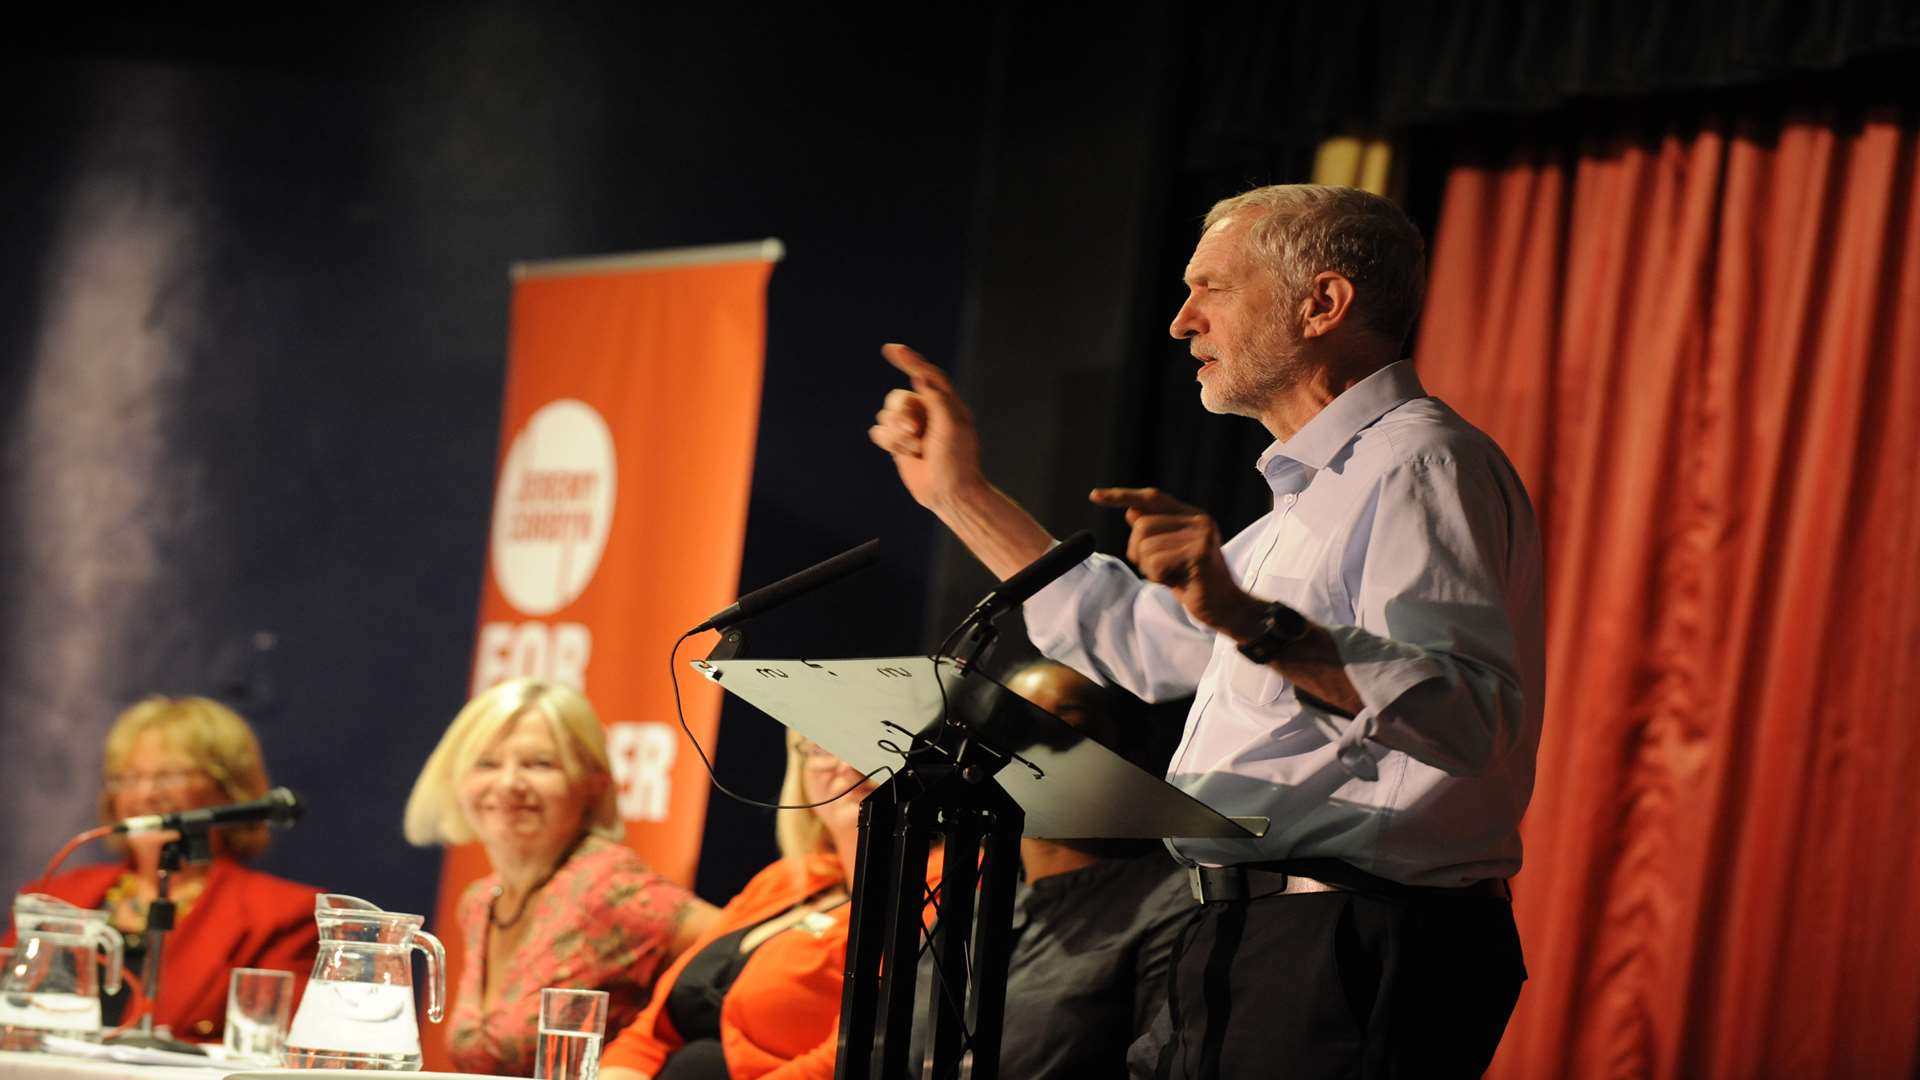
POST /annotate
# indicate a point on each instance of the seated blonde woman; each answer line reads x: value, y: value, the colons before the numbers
x: 758, y: 996
x: 523, y: 770
x: 164, y: 755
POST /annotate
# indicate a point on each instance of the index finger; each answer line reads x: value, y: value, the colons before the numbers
x: 1147, y: 500
x: 924, y: 375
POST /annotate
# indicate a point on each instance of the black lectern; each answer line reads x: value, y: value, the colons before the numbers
x: 976, y: 766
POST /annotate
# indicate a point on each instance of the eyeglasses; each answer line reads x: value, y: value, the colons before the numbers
x: 164, y: 780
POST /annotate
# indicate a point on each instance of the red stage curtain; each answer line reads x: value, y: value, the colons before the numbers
x: 1703, y: 353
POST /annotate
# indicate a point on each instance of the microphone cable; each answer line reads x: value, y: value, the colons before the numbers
x: 680, y: 712
x: 137, y: 1002
x: 71, y: 846
x: 930, y: 897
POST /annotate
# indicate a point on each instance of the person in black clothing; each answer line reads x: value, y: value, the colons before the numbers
x: 1095, y: 922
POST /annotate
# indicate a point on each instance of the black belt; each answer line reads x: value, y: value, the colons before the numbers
x: 1252, y: 881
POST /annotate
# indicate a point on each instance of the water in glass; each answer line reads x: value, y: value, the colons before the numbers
x: 567, y: 1055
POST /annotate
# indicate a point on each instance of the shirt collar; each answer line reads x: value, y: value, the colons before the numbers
x: 1333, y: 427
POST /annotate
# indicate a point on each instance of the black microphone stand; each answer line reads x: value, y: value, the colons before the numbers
x: 192, y: 845
x: 977, y: 635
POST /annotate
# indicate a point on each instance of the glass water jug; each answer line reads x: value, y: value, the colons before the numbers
x: 52, y: 985
x: 357, y: 1012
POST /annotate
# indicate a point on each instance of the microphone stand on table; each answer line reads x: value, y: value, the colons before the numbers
x: 193, y: 846
x: 192, y: 843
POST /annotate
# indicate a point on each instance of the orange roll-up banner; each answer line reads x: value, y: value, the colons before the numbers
x: 619, y: 514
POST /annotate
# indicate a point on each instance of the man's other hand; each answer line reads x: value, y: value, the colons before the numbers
x: 1178, y: 546
x: 929, y: 432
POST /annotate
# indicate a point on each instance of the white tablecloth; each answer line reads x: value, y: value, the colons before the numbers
x: 16, y: 1066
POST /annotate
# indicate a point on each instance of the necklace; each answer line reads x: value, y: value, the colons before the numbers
x: 123, y: 898
x: 527, y: 900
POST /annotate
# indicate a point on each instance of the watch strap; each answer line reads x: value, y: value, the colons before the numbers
x: 1281, y: 628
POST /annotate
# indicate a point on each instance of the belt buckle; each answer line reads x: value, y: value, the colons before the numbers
x: 1215, y: 883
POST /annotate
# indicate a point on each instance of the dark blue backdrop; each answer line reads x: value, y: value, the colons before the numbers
x: 252, y: 326
x: 252, y: 336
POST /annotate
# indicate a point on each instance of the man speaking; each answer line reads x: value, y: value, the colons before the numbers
x: 1366, y: 660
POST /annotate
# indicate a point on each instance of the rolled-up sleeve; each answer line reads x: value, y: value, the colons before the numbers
x: 1104, y: 622
x: 1433, y: 655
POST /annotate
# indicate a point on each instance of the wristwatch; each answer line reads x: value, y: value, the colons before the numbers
x: 1281, y: 628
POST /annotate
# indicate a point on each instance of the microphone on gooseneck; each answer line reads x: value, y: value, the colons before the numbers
x: 280, y: 809
x: 813, y: 577
x: 976, y: 632
x: 1035, y: 576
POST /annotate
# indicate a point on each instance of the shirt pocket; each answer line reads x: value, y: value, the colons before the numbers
x: 1259, y: 684
x: 1254, y: 684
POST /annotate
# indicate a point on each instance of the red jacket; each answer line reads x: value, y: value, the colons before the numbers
x: 243, y: 918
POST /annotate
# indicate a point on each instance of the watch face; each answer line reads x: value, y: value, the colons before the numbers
x: 1285, y: 623
x: 1284, y: 627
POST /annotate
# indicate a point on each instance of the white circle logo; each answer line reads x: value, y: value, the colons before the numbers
x: 554, y: 507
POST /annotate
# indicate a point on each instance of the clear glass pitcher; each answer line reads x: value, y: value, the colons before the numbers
x: 357, y: 1012
x: 52, y: 986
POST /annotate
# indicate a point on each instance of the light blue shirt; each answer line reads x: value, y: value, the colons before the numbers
x: 1405, y: 532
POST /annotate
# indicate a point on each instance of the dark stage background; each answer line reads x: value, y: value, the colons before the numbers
x: 252, y: 336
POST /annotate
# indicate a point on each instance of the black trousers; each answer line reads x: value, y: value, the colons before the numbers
x: 1339, y: 984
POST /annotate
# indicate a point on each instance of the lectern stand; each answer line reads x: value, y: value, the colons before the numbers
x: 974, y: 766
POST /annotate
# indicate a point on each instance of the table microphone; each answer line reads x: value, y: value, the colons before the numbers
x: 280, y: 809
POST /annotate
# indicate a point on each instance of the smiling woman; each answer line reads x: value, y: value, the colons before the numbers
x: 523, y: 770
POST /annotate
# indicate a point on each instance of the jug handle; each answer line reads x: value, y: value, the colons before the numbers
x: 436, y: 973
x: 116, y: 952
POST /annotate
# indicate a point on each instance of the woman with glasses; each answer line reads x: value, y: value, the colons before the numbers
x: 758, y: 996
x: 164, y: 755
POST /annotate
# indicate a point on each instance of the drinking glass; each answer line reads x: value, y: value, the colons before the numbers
x: 572, y: 1023
x: 258, y: 1005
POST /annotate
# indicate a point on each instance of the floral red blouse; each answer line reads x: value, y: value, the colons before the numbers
x: 603, y: 922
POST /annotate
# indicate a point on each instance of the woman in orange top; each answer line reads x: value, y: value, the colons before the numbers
x: 758, y: 996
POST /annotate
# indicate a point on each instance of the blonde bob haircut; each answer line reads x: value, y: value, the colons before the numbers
x: 214, y: 738
x: 433, y: 810
x: 799, y: 833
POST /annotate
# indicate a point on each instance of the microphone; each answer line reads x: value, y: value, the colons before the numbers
x: 813, y: 577
x: 1035, y: 576
x: 976, y: 632
x: 280, y: 808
